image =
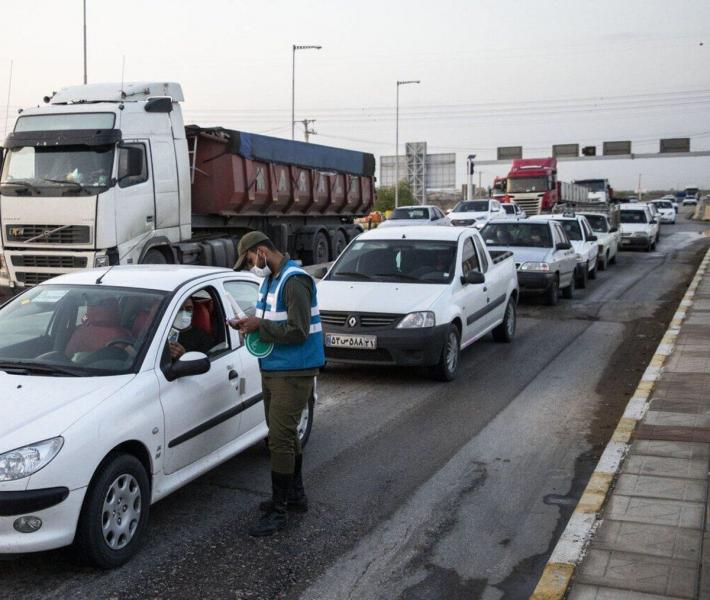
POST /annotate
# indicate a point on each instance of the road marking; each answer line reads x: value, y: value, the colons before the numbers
x: 569, y: 551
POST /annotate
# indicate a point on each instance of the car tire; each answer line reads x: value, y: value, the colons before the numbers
x: 118, y: 499
x: 582, y: 279
x: 593, y: 272
x: 553, y: 291
x: 612, y: 260
x: 305, y: 425
x: 568, y: 292
x: 445, y: 369
x: 602, y: 265
x: 505, y: 332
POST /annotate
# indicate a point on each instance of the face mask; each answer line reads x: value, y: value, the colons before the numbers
x: 264, y: 271
x: 183, y: 320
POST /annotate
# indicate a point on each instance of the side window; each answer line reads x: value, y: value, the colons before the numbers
x: 482, y: 254
x: 469, y: 259
x: 132, y: 165
x: 562, y: 233
x: 245, y: 294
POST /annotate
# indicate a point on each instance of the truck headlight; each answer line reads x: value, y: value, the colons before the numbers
x: 417, y: 320
x: 27, y: 460
x: 3, y: 267
x: 101, y: 261
x: 535, y: 266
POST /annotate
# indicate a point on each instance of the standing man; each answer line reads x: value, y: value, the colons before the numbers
x: 286, y: 316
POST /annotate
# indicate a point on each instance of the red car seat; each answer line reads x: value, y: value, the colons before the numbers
x: 102, y: 324
x: 201, y: 317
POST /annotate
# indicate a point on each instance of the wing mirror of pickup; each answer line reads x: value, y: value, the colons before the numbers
x: 592, y: 238
x: 654, y: 221
x: 563, y: 246
x: 473, y: 277
x: 190, y: 363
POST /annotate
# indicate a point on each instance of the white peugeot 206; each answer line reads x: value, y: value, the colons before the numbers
x: 99, y: 420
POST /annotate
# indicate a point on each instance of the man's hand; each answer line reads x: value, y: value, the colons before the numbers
x: 245, y: 325
x: 176, y: 349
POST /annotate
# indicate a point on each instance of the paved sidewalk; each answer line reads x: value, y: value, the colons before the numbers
x: 652, y: 539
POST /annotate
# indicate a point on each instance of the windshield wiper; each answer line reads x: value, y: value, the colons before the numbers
x: 398, y: 276
x: 23, y: 368
x: 352, y: 274
x: 79, y: 186
x: 22, y: 183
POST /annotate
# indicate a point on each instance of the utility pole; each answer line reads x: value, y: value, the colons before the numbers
x: 307, y: 131
x: 294, y: 47
x: 396, y: 143
x: 85, y: 80
x: 640, y: 192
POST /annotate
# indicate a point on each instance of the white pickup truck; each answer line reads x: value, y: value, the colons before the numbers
x: 416, y: 296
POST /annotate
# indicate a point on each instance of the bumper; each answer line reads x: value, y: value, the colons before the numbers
x: 668, y: 218
x: 58, y: 522
x: 404, y: 347
x: 634, y: 242
x: 531, y: 282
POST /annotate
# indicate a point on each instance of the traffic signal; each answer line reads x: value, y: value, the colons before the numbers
x: 589, y: 151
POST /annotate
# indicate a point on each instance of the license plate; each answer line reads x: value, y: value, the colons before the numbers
x: 345, y: 340
x: 625, y: 241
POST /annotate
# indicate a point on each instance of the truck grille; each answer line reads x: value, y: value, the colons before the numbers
x: 46, y: 234
x: 531, y: 206
x: 339, y: 319
x: 34, y: 278
x: 50, y: 262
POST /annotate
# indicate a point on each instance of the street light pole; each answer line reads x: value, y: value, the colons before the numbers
x: 294, y: 47
x: 84, y: 42
x: 396, y: 143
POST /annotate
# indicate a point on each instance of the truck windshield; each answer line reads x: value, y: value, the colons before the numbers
x: 598, y: 223
x: 401, y: 261
x: 471, y: 206
x: 633, y: 216
x: 530, y: 235
x: 57, y: 170
x: 76, y: 330
x: 527, y: 184
x: 593, y: 185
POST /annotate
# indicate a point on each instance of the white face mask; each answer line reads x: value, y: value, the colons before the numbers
x: 264, y: 271
x: 183, y: 320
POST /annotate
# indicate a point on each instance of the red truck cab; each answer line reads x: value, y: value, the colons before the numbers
x: 532, y: 183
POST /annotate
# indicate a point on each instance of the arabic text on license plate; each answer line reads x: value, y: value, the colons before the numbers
x: 360, y: 342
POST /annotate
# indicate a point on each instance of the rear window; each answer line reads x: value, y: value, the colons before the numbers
x: 534, y: 235
x: 598, y: 223
x: 472, y: 206
x: 572, y: 229
x: 633, y: 216
x: 410, y: 213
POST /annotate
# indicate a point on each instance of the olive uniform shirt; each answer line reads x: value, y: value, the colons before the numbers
x: 297, y: 296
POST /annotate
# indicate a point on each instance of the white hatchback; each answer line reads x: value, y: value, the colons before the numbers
x: 99, y: 421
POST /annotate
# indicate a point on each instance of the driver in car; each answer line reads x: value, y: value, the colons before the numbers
x: 188, y: 338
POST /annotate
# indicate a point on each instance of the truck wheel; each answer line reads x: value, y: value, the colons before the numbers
x: 505, y: 332
x: 448, y: 364
x: 553, y: 292
x: 568, y: 292
x: 582, y: 279
x: 319, y: 252
x: 114, y: 516
x: 339, y: 242
x: 154, y: 257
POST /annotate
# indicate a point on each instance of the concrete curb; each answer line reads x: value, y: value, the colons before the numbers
x: 570, y: 548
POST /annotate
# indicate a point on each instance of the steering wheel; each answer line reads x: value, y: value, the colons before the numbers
x: 123, y: 341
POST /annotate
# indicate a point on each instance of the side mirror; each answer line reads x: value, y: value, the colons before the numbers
x: 592, y: 238
x: 320, y: 272
x: 654, y: 221
x: 473, y: 277
x: 563, y: 246
x: 190, y: 363
x: 613, y: 230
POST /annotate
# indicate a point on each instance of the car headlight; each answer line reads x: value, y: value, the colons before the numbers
x: 535, y: 266
x: 640, y: 234
x: 23, y: 462
x: 418, y: 320
x: 101, y: 261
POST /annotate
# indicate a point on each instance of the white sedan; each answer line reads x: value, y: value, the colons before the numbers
x: 416, y: 215
x: 100, y: 421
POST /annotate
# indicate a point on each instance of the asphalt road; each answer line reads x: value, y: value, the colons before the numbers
x: 419, y: 490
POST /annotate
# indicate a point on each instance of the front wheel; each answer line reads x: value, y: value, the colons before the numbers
x: 604, y: 261
x: 582, y: 279
x: 593, y: 272
x: 568, y: 292
x: 445, y: 369
x: 505, y: 332
x: 114, y: 516
x: 552, y: 293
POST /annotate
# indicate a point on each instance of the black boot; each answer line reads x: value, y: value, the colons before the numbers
x: 276, y: 518
x: 297, y: 500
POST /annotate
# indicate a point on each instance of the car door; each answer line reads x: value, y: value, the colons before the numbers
x: 201, y: 411
x: 565, y: 259
x: 590, y: 246
x: 496, y: 286
x: 245, y: 292
x: 471, y: 298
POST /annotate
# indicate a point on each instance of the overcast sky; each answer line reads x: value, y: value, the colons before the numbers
x: 499, y: 72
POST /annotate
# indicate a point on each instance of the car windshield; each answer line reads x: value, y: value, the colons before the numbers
x: 598, y: 223
x: 533, y: 235
x: 572, y: 229
x: 410, y: 213
x: 471, y: 206
x: 527, y: 184
x: 77, y: 330
x: 57, y: 170
x: 403, y: 261
x: 633, y: 216
x: 593, y: 185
